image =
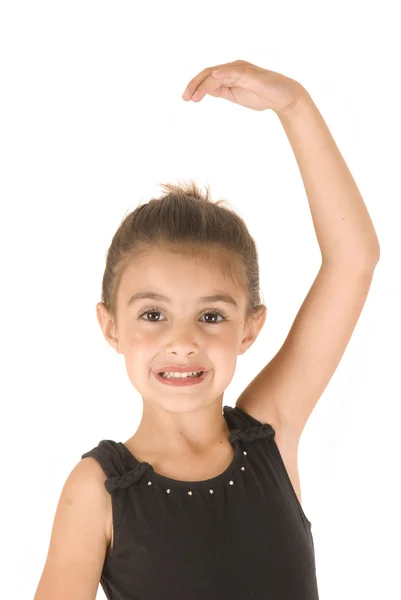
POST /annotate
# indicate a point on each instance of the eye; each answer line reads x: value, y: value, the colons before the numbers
x: 154, y: 310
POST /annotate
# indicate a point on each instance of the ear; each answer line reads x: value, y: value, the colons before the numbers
x: 253, y: 328
x: 107, y: 326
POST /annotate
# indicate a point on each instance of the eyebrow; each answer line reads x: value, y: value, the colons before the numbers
x: 156, y: 296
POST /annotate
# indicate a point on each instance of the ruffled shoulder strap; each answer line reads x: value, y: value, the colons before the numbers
x: 245, y: 428
x: 121, y: 468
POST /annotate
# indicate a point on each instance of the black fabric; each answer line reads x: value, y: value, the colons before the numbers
x: 242, y: 535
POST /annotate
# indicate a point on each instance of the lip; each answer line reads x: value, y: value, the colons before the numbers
x: 177, y: 369
x: 182, y: 382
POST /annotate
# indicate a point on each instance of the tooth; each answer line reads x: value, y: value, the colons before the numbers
x: 181, y: 376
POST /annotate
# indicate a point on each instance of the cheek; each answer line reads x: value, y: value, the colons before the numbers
x: 228, y: 339
x: 138, y: 346
x: 138, y: 336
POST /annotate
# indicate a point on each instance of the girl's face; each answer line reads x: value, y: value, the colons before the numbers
x: 182, y: 329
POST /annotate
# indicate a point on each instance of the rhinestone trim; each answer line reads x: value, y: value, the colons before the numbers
x: 168, y: 491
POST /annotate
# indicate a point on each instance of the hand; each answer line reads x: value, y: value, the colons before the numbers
x: 248, y: 85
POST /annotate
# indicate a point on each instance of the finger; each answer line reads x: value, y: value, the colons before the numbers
x: 213, y: 83
x: 196, y: 81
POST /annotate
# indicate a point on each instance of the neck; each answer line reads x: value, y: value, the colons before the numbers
x: 192, y: 433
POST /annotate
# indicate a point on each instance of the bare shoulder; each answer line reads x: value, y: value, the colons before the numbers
x: 90, y: 467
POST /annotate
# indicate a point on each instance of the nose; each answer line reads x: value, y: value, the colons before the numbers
x: 183, y: 338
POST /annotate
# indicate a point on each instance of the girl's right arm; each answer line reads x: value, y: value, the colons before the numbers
x: 79, y: 540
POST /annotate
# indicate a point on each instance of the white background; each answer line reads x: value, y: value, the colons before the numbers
x: 92, y: 120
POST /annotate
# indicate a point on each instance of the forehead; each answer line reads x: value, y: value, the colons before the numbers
x: 176, y: 272
x: 154, y: 261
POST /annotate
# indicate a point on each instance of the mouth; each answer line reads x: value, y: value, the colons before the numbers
x: 182, y: 381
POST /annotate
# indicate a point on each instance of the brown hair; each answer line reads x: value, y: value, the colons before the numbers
x: 184, y: 220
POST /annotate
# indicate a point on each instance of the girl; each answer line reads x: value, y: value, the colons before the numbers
x: 204, y: 501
